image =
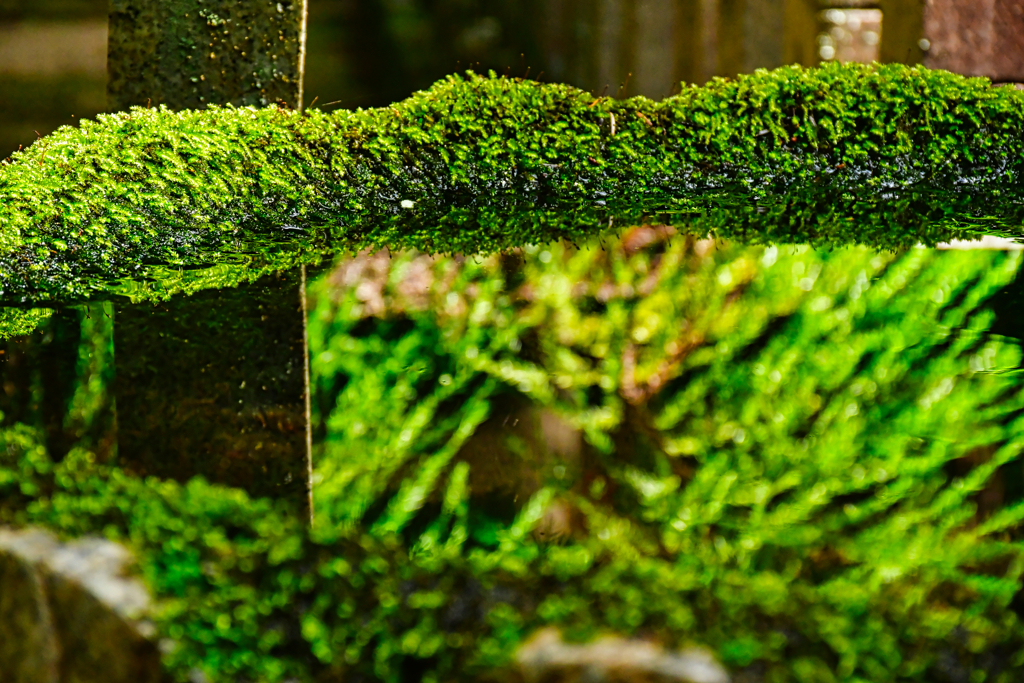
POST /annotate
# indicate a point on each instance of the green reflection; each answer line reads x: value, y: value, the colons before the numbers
x: 16, y: 321
x: 808, y: 460
x: 56, y: 374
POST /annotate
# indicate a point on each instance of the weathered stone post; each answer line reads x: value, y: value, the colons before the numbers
x: 214, y: 384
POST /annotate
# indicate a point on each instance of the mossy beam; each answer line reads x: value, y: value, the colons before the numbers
x: 884, y: 155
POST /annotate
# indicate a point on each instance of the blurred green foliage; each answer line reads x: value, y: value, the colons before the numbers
x: 17, y: 321
x: 772, y: 443
x: 885, y: 155
x: 783, y: 457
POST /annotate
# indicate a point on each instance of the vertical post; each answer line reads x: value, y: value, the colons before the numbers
x: 213, y: 384
x: 657, y: 45
x: 689, y: 42
x: 803, y: 24
x: 191, y: 53
x: 648, y: 46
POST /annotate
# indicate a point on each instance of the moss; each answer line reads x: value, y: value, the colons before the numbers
x: 16, y: 321
x: 760, y: 428
x: 779, y: 552
x: 887, y: 156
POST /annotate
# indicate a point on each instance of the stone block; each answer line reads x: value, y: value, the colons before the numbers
x: 70, y: 612
x: 978, y: 38
x: 545, y: 658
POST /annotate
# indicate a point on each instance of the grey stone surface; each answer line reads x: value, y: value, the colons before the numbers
x: 69, y: 613
x: 545, y: 658
x: 977, y: 38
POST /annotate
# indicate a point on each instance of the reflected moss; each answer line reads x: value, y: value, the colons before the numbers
x: 56, y: 374
x: 15, y: 322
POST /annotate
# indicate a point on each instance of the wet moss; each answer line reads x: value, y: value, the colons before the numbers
x: 888, y: 156
x: 805, y: 498
x: 15, y: 322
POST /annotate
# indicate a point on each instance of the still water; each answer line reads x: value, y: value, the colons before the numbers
x: 804, y: 460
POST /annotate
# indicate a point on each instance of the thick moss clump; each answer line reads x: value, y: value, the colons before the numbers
x: 884, y: 155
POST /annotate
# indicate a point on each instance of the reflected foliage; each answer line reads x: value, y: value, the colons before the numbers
x: 796, y: 457
x: 56, y: 374
x: 15, y: 321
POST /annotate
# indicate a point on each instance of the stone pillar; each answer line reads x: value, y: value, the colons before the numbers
x: 213, y: 384
x: 190, y: 53
x: 977, y: 38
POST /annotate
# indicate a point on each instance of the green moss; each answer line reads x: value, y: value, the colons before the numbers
x: 16, y: 321
x: 882, y: 155
x: 775, y: 444
x: 848, y: 552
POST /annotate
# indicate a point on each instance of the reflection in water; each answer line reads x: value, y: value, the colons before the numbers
x: 209, y: 385
x: 213, y: 385
x: 58, y: 378
x: 796, y: 439
x: 786, y: 454
x: 809, y: 461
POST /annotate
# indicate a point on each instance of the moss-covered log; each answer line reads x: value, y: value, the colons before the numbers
x: 884, y: 155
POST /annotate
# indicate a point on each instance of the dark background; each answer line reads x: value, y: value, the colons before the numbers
x: 363, y: 53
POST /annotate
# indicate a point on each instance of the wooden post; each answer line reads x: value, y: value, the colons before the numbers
x: 214, y: 384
